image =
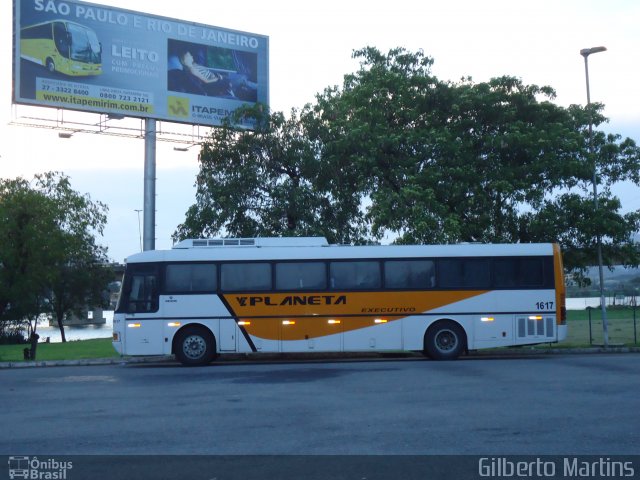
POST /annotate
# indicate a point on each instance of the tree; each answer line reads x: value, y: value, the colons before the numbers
x: 50, y: 262
x: 269, y: 182
x: 80, y: 276
x: 495, y: 161
x: 81, y: 282
x: 571, y: 211
x: 25, y: 221
x: 397, y: 152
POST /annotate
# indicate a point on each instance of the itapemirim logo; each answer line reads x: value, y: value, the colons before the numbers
x: 178, y: 106
x: 36, y: 469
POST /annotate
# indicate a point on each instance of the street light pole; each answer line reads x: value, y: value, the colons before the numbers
x: 585, y: 52
x: 139, y: 229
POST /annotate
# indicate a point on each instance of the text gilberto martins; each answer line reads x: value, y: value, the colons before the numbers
x: 569, y: 467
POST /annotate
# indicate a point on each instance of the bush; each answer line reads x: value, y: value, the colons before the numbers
x: 12, y: 338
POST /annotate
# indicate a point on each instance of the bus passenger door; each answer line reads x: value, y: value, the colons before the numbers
x: 143, y: 317
x: 143, y: 335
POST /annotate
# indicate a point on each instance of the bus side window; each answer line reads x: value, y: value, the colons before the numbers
x: 190, y: 278
x: 301, y: 276
x: 519, y: 272
x: 419, y: 274
x: 464, y: 273
x: 142, y: 295
x: 134, y: 293
x: 355, y: 275
x: 61, y: 38
x: 245, y: 277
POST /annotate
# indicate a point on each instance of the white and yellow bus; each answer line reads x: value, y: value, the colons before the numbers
x: 62, y: 46
x: 213, y: 296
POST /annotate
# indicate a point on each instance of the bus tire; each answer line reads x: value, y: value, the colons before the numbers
x: 444, y: 340
x: 195, y: 346
x: 51, y: 66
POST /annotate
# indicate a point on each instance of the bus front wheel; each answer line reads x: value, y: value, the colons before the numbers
x: 51, y: 66
x: 444, y: 340
x: 195, y: 346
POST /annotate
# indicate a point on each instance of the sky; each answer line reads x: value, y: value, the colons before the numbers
x: 310, y: 47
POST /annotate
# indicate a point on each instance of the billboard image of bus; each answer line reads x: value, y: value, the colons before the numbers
x: 62, y: 46
x: 214, y: 296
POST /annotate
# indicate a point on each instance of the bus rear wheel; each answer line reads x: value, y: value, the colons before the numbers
x: 195, y: 346
x: 444, y: 340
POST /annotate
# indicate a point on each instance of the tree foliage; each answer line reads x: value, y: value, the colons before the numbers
x: 397, y: 152
x: 49, y: 259
x: 270, y: 181
x: 24, y: 219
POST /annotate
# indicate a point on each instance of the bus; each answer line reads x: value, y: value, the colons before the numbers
x: 207, y: 297
x: 62, y: 46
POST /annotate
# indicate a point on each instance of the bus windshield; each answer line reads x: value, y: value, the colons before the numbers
x: 85, y: 46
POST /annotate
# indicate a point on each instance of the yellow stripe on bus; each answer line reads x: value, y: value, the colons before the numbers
x: 308, y: 314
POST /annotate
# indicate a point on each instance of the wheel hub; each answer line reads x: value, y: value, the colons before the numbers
x: 194, y: 347
x: 446, y: 340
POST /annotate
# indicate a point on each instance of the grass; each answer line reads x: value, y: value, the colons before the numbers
x: 76, y: 350
x: 620, y: 326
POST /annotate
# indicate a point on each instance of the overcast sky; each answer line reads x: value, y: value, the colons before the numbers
x: 310, y: 46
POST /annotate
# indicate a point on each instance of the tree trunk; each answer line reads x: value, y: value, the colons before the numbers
x: 30, y: 353
x: 33, y: 340
x: 59, y: 319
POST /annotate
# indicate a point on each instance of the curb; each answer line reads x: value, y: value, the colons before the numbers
x: 553, y: 351
x: 84, y: 362
x: 230, y: 358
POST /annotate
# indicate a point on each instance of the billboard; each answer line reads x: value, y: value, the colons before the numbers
x: 94, y: 58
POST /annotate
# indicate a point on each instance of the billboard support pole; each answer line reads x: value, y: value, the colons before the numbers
x: 149, y: 230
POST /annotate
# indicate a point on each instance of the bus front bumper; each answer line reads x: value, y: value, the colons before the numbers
x: 117, y: 343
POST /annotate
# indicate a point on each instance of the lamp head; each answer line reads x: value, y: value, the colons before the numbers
x: 585, y: 52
